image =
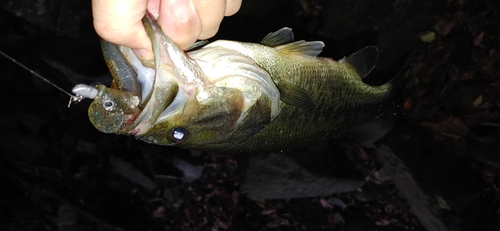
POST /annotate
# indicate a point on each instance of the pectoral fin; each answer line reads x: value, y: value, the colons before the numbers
x: 296, y: 96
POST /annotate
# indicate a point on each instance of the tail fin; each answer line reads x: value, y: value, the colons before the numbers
x: 394, y: 106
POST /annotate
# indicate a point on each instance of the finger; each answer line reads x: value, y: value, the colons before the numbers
x: 119, y: 22
x: 232, y: 6
x: 179, y: 20
x: 211, y: 13
x: 154, y: 8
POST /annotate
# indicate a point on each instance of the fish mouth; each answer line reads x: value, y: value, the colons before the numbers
x: 131, y: 73
x: 162, y: 84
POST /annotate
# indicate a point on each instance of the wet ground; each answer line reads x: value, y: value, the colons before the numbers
x: 435, y: 165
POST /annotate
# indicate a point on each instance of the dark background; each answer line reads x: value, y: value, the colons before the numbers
x: 57, y: 172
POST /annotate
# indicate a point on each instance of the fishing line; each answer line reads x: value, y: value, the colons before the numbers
x: 72, y: 99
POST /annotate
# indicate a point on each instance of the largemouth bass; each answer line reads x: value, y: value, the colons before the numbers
x: 231, y: 96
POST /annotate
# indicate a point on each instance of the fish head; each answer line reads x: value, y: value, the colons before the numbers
x: 207, y: 100
x: 141, y: 89
x: 222, y: 99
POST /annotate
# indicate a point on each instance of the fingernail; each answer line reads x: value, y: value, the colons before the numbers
x: 180, y: 8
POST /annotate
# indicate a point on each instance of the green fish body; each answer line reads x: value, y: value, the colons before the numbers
x: 231, y: 96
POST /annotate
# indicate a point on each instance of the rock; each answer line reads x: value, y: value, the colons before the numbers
x: 395, y: 170
x: 368, y: 133
x: 278, y: 176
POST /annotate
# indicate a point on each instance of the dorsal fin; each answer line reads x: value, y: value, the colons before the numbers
x: 279, y: 37
x: 302, y: 48
x: 363, y: 61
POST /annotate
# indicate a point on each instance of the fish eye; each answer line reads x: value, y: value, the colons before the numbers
x: 108, y: 104
x: 178, y: 135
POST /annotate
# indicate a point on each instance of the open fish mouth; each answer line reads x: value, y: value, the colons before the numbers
x: 148, y: 73
x: 141, y: 89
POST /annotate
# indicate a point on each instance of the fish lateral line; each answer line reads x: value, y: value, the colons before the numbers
x: 72, y: 98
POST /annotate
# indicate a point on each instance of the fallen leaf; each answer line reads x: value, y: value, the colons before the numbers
x: 478, y: 101
x: 451, y: 127
x: 442, y: 203
x: 428, y: 36
x: 325, y: 203
x: 335, y: 218
x: 446, y: 28
x: 478, y: 40
x: 160, y: 213
x: 407, y: 104
x: 383, y: 222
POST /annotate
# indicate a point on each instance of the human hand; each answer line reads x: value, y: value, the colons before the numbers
x: 184, y: 21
